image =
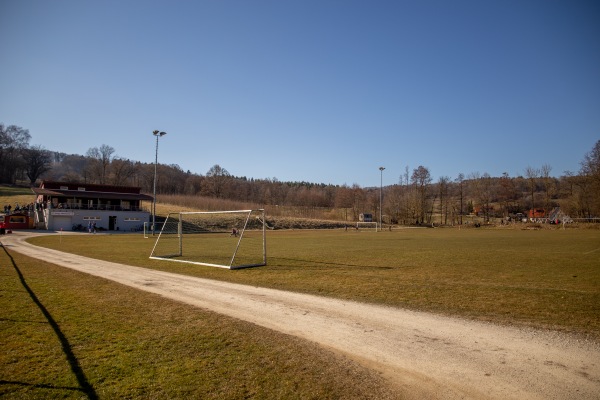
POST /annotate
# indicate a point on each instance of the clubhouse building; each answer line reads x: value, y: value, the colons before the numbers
x: 67, y: 206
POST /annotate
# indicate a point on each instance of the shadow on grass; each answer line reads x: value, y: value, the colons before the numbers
x: 37, y: 385
x: 313, y: 263
x: 84, y: 385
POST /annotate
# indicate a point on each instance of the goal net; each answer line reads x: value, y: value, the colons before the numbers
x: 371, y: 226
x: 225, y: 239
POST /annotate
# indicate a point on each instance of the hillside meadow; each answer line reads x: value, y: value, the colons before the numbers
x: 14, y: 195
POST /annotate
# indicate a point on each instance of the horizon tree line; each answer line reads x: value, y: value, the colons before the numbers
x: 415, y: 199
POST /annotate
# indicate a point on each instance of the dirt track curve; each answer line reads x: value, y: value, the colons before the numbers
x: 428, y: 356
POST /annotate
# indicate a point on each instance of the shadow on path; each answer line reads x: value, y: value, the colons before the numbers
x: 84, y: 385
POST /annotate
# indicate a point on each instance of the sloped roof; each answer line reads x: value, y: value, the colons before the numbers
x: 85, y: 194
x: 91, y: 187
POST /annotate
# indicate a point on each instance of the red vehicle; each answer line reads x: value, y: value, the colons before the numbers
x: 14, y: 221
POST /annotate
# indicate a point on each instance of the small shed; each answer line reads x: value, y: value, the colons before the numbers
x: 536, y: 213
x: 557, y: 216
x: 364, y: 217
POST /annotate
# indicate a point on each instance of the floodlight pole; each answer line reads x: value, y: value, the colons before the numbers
x: 381, y: 199
x: 157, y: 134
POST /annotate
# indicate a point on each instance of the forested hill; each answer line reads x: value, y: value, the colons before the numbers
x: 416, y: 197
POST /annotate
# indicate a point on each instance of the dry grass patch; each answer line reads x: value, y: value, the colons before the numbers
x: 65, y: 334
x: 14, y: 195
x: 546, y: 278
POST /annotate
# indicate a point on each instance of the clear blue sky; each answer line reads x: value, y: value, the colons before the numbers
x: 324, y: 91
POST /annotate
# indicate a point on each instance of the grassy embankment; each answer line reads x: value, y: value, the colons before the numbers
x: 10, y: 195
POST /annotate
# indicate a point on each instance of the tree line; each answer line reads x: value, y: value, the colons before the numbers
x: 415, y: 199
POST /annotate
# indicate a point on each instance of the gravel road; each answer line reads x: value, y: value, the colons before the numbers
x: 426, y: 355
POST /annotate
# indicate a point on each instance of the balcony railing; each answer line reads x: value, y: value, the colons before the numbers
x: 96, y: 207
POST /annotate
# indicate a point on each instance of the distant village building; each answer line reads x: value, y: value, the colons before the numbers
x: 365, y: 217
x: 64, y: 205
x: 557, y: 216
x: 536, y: 213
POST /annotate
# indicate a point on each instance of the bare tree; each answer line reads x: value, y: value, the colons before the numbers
x: 549, y: 185
x: 70, y: 168
x: 421, y: 178
x: 37, y: 161
x: 443, y: 188
x: 13, y: 140
x: 99, y: 162
x: 170, y: 179
x: 344, y: 199
x: 482, y: 188
x: 215, y: 181
x: 507, y: 194
x: 532, y: 175
x: 193, y: 184
x: 122, y: 170
x: 460, y: 180
x: 591, y: 162
x: 590, y: 169
x: 405, y: 198
x: 487, y: 194
x: 394, y: 202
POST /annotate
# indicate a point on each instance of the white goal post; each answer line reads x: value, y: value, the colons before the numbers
x: 224, y: 239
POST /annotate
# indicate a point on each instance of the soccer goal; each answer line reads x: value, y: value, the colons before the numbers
x: 224, y: 239
x: 371, y: 226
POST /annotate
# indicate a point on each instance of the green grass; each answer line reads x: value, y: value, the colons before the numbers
x: 214, y: 248
x: 64, y: 334
x: 15, y: 194
x: 540, y: 278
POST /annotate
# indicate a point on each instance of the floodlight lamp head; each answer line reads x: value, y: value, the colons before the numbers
x: 381, y: 168
x: 158, y: 133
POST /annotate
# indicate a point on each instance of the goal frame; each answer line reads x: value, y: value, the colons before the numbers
x: 370, y: 225
x: 231, y: 266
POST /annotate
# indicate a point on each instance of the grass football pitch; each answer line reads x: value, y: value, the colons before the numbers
x: 65, y: 334
x: 541, y: 278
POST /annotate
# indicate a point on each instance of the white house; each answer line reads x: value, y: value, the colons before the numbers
x: 65, y: 205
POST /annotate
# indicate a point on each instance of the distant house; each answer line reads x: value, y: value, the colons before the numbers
x: 63, y: 205
x: 558, y: 216
x: 483, y: 210
x: 365, y: 217
x: 536, y: 213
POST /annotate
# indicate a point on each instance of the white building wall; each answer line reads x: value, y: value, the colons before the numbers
x: 66, y: 219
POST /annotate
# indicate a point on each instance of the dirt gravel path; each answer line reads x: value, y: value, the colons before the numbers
x: 428, y: 356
